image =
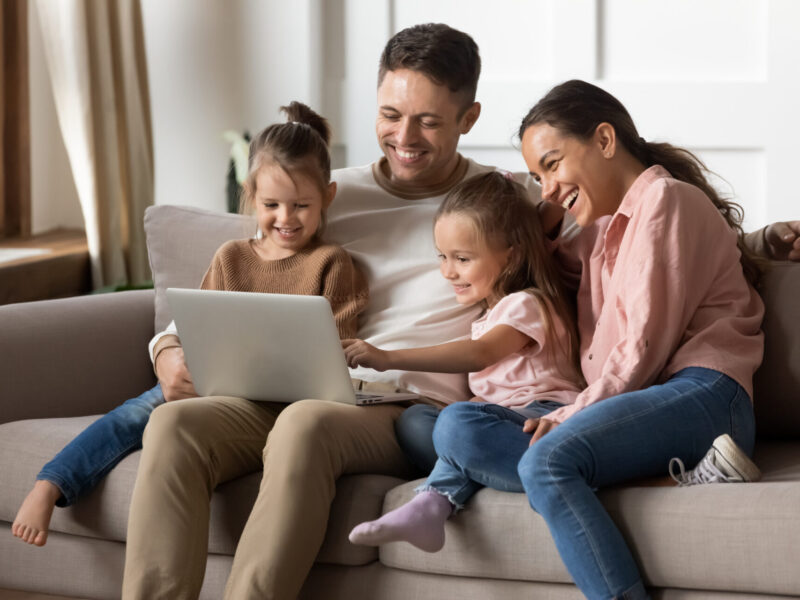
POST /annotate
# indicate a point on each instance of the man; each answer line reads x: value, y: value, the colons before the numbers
x: 382, y: 215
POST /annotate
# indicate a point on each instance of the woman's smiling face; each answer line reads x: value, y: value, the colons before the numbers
x: 573, y: 173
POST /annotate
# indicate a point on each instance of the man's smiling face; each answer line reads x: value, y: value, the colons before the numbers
x: 418, y: 126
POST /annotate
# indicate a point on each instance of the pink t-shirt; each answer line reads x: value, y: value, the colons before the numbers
x: 530, y: 374
x: 661, y: 289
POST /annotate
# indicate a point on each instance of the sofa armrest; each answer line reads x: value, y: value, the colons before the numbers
x: 776, y: 383
x: 74, y: 356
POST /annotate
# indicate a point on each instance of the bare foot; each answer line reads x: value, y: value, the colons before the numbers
x: 33, y: 517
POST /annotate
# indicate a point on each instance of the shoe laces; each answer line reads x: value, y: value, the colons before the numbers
x: 705, y: 472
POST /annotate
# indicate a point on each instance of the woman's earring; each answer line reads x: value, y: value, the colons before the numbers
x: 259, y: 234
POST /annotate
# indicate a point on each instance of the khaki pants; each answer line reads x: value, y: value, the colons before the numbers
x: 191, y: 446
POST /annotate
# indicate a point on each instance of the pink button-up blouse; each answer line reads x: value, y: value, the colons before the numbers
x: 661, y: 289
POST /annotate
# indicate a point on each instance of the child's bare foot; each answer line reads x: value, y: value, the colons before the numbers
x: 33, y: 517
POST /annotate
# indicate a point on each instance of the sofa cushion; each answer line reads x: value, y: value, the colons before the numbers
x: 776, y: 395
x: 737, y: 537
x: 25, y: 446
x: 74, y: 356
x: 181, y: 242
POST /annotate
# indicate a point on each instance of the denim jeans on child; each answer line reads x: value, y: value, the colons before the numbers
x: 97, y: 449
x: 485, y: 459
x: 622, y: 438
x: 414, y: 431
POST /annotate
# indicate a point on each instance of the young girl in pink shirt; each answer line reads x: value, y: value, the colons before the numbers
x: 521, y: 357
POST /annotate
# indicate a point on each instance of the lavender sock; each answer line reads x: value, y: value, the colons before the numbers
x: 419, y: 522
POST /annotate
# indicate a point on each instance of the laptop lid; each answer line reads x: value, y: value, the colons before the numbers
x: 274, y: 347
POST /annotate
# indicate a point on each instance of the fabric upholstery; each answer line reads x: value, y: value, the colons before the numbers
x: 104, y: 512
x: 777, y: 382
x: 396, y: 584
x: 181, y: 242
x: 74, y: 356
x: 61, y: 568
x: 676, y: 531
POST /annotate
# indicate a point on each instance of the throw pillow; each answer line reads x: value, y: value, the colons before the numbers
x: 181, y: 242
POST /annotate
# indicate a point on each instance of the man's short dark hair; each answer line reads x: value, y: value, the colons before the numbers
x: 445, y: 55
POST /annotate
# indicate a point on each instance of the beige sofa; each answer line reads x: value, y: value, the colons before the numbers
x: 63, y: 361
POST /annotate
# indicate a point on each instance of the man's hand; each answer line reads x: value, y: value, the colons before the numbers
x: 360, y: 353
x: 176, y: 383
x: 539, y: 427
x: 783, y: 240
x: 550, y: 216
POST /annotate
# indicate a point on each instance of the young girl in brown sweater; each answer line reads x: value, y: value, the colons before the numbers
x: 288, y: 188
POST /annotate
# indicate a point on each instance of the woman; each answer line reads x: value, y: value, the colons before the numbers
x: 669, y: 325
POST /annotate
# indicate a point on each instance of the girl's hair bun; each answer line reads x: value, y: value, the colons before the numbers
x: 299, y: 113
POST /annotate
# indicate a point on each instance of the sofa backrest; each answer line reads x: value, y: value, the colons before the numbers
x: 181, y: 242
x: 777, y: 382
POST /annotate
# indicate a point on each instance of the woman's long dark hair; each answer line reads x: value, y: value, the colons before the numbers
x: 576, y: 108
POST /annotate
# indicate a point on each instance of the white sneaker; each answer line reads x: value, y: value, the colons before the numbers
x: 723, y: 463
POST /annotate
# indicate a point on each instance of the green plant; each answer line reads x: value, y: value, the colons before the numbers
x: 237, y: 166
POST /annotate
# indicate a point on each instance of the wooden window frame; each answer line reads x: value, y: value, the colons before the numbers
x: 15, y: 152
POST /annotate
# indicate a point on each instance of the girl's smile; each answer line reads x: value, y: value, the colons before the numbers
x: 289, y: 211
x: 467, y: 262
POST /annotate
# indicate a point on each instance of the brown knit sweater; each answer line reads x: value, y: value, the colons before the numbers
x: 318, y: 270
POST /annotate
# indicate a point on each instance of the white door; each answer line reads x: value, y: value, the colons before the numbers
x: 719, y: 77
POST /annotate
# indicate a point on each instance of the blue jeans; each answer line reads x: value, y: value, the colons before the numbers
x: 414, y: 430
x: 626, y: 437
x: 479, y: 419
x: 97, y: 449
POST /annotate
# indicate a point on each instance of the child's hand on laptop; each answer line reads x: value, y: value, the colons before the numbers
x: 360, y: 353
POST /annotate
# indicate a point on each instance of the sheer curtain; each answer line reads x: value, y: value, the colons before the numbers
x: 96, y: 59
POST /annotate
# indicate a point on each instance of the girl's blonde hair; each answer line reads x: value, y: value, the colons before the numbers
x: 298, y: 146
x: 504, y: 217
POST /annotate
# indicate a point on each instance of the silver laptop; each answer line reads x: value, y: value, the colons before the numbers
x: 274, y: 347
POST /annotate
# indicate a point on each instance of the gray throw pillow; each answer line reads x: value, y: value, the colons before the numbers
x: 181, y: 242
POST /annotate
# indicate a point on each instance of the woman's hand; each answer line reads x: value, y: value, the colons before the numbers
x: 550, y: 216
x: 539, y: 427
x: 173, y: 375
x: 360, y: 353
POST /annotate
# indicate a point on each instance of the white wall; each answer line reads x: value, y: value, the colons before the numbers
x: 718, y: 76
x: 215, y: 66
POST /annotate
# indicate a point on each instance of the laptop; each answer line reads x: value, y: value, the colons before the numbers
x: 271, y: 347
